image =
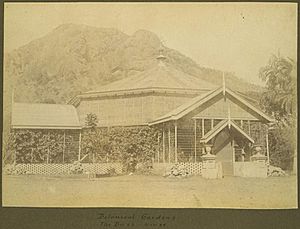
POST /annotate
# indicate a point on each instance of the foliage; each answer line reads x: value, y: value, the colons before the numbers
x: 145, y: 168
x: 91, y: 120
x: 177, y: 171
x: 8, y: 149
x: 275, y: 172
x: 280, y: 78
x: 124, y: 144
x: 280, y: 101
x: 76, y: 168
x: 40, y: 146
x: 282, y: 145
x: 12, y: 169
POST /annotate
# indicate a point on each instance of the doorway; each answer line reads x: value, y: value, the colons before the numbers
x: 223, y: 149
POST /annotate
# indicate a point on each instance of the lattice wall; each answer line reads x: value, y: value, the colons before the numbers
x: 192, y: 168
x: 101, y: 168
x: 58, y: 169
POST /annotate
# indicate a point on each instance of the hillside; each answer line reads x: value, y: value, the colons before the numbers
x: 76, y: 58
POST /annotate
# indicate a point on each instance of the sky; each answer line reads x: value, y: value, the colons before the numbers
x: 234, y: 37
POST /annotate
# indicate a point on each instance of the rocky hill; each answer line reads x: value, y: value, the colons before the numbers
x: 76, y: 58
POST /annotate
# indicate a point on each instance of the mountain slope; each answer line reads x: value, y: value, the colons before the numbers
x: 76, y: 58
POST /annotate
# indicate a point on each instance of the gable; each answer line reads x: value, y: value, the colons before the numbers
x: 220, y: 110
x: 241, y: 108
x: 222, y: 125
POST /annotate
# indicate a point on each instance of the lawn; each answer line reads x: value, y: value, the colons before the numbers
x: 151, y: 191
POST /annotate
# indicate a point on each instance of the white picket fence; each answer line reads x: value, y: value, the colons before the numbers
x: 58, y: 169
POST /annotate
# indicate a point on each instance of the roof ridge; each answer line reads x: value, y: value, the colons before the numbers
x: 181, y: 110
x: 48, y: 104
x: 156, y: 76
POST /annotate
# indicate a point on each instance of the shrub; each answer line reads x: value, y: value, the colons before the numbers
x: 12, y: 169
x: 40, y: 146
x: 282, y: 147
x: 128, y: 145
x: 76, y: 168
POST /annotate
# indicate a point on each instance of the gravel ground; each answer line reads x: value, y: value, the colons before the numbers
x: 150, y: 191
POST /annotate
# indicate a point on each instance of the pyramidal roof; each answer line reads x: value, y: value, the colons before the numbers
x: 161, y: 76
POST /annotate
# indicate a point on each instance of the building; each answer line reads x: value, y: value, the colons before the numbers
x: 139, y: 99
x: 190, y: 114
x: 222, y: 119
x: 45, y: 133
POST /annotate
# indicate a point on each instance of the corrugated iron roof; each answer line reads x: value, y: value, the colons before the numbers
x: 46, y: 116
x: 159, y: 76
x: 187, y: 107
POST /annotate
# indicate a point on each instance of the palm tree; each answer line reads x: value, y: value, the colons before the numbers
x: 280, y: 97
x: 280, y: 78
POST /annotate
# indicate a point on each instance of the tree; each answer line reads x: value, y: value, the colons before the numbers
x: 279, y: 100
x: 91, y: 138
x: 91, y: 120
x: 280, y: 78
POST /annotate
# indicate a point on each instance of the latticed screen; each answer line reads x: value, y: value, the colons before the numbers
x: 166, y: 149
x: 55, y: 169
x: 186, y: 142
x: 46, y: 146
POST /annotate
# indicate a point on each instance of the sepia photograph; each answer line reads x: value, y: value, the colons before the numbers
x: 150, y: 105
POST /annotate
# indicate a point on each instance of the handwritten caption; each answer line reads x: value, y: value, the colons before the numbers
x: 135, y: 220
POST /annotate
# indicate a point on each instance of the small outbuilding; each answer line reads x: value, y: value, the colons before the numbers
x: 45, y: 133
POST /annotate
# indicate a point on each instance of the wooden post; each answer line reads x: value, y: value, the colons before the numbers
x: 31, y: 155
x: 233, y: 151
x: 195, y: 133
x: 212, y: 124
x: 169, y: 144
x: 249, y: 128
x: 242, y: 123
x: 15, y: 157
x: 202, y: 128
x: 261, y: 137
x: 267, y: 147
x: 64, y: 147
x: 48, y: 155
x: 164, y: 145
x: 158, y: 148
x: 48, y: 150
x: 79, y: 145
x: 176, y: 159
x: 243, y: 155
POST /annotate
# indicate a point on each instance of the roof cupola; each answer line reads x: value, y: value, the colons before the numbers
x: 161, y: 57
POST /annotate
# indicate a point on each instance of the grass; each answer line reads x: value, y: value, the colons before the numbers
x: 151, y: 191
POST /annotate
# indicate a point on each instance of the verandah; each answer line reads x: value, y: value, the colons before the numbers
x: 182, y: 140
